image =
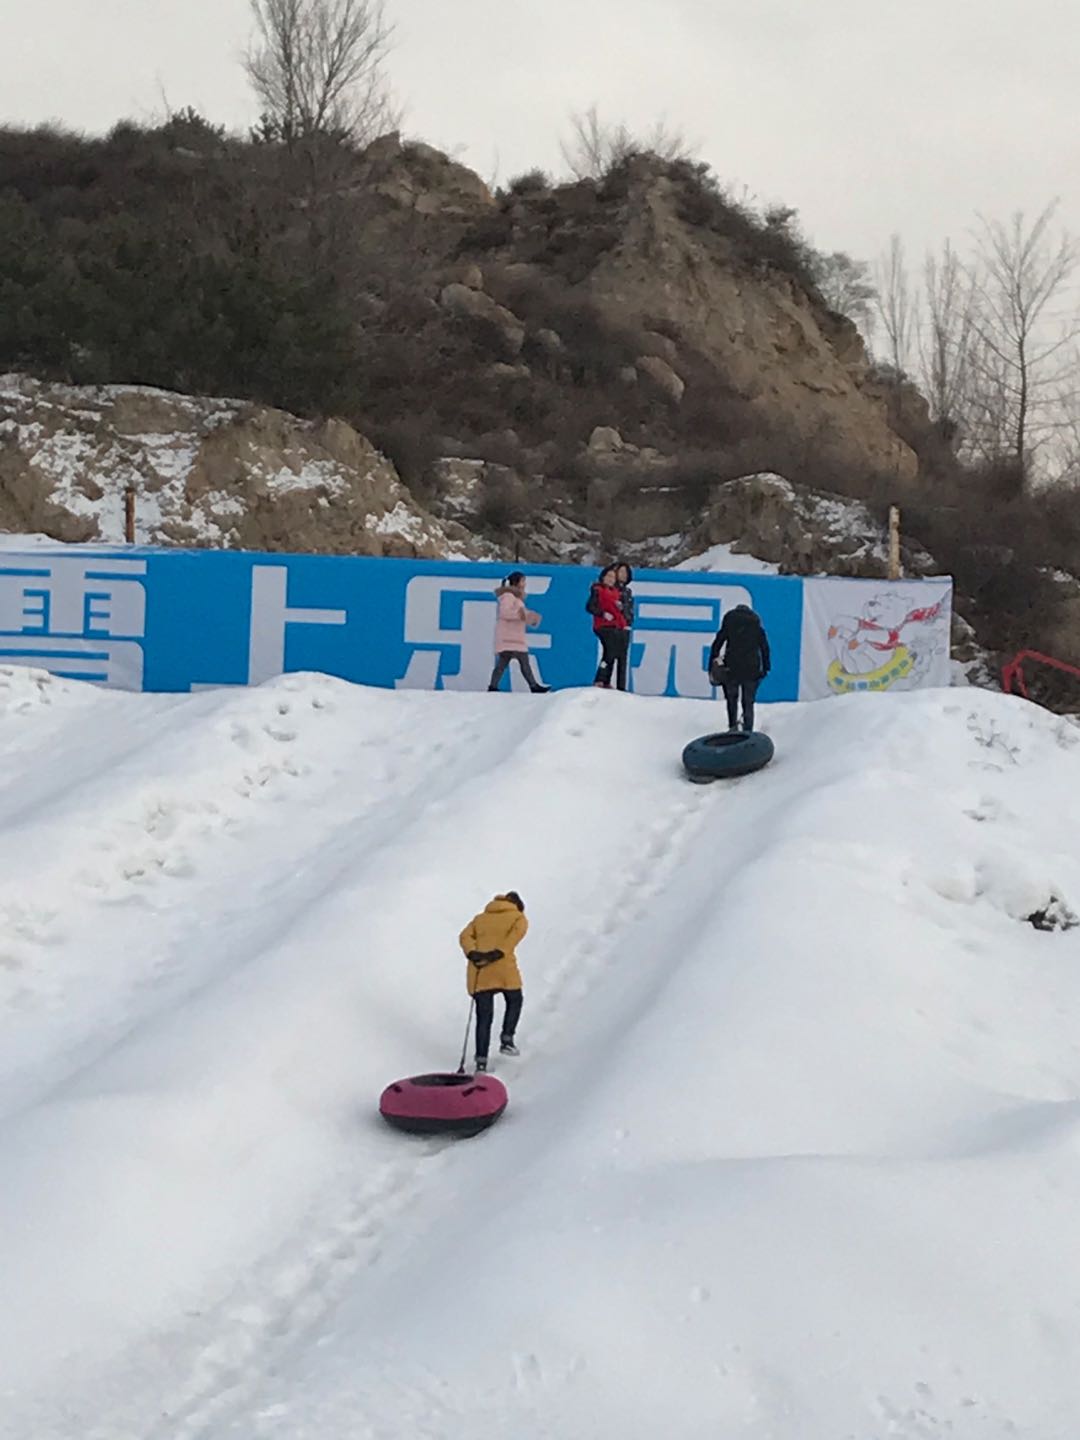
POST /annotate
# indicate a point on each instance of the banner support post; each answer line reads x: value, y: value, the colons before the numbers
x: 895, y: 571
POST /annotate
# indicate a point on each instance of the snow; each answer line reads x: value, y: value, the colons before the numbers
x: 401, y: 522
x: 723, y: 560
x: 665, y: 547
x: 86, y: 459
x: 323, y: 475
x: 29, y: 541
x: 793, y: 1146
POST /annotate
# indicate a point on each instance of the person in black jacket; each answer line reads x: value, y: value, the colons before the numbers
x: 745, y: 662
x: 624, y: 578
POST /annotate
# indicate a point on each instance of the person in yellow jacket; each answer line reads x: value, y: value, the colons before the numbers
x: 490, y: 943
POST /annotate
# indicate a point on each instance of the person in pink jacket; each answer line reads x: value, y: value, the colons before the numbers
x: 511, y: 642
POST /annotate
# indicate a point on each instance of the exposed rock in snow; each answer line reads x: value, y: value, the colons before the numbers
x: 798, y: 530
x: 203, y: 472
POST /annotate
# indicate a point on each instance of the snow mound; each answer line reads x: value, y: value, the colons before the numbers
x: 793, y: 1145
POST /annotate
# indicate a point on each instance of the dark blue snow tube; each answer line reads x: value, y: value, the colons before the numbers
x: 719, y: 757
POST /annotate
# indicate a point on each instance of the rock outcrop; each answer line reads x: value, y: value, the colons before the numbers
x: 470, y: 301
x: 766, y: 338
x: 201, y: 472
x: 661, y: 377
x: 418, y: 177
x: 801, y: 531
x: 737, y: 335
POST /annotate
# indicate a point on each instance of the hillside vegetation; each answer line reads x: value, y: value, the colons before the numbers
x: 389, y: 287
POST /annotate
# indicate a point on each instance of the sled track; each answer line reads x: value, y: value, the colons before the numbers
x: 151, y: 834
x: 276, y: 1308
x: 417, y: 780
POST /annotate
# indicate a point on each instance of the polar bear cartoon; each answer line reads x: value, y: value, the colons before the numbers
x: 867, y: 647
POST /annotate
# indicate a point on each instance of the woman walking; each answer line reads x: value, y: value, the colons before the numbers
x: 611, y: 627
x: 489, y: 942
x: 746, y: 662
x: 511, y: 641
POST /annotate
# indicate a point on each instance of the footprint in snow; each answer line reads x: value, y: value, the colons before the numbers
x: 987, y: 809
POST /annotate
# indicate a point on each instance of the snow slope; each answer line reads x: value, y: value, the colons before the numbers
x: 794, y: 1143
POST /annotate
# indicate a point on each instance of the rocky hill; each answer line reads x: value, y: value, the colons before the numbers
x: 645, y: 302
x: 201, y: 471
x: 212, y: 472
x: 434, y: 316
x: 113, y: 463
x: 422, y: 366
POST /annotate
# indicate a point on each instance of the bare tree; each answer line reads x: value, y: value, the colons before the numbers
x: 897, y: 308
x: 316, y: 67
x: 946, y: 342
x: 846, y: 287
x: 1069, y: 442
x: 1024, y: 349
x: 594, y: 147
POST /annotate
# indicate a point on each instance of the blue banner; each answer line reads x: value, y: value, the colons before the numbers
x: 177, y: 620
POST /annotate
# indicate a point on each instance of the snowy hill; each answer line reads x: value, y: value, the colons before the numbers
x: 793, y: 1147
x: 203, y: 471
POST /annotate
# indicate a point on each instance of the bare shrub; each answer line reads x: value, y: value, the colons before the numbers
x: 411, y: 447
x: 532, y: 182
x: 505, y: 501
x: 771, y: 240
x: 596, y: 147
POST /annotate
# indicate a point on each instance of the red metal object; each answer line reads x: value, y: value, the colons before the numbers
x: 1012, y: 675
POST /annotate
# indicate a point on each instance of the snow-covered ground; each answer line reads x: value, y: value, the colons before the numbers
x: 793, y: 1149
x: 10, y: 541
x: 726, y: 561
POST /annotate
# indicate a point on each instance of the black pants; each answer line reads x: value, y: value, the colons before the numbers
x: 746, y: 690
x: 502, y: 660
x: 485, y: 1013
x: 615, y: 645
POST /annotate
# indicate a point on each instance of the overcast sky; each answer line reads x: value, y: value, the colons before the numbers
x: 869, y: 117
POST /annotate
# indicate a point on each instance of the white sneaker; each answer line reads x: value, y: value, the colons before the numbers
x: 508, y: 1048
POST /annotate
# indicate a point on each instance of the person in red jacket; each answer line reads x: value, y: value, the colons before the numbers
x: 611, y: 626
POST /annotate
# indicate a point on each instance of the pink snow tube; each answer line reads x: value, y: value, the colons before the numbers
x: 444, y: 1104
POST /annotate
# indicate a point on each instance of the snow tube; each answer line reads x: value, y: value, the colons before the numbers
x: 718, y: 757
x: 444, y: 1104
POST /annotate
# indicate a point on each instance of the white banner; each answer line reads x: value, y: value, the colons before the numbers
x: 878, y: 635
